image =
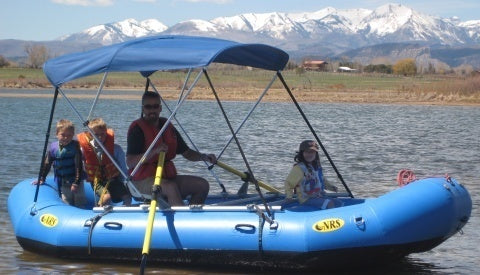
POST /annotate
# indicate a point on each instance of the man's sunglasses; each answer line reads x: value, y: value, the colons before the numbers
x: 151, y: 106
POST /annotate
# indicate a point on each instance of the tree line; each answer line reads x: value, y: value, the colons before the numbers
x: 405, y: 67
x: 39, y: 54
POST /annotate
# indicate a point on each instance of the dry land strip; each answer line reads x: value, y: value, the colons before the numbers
x: 247, y: 85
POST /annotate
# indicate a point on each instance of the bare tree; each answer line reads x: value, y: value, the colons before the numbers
x: 37, y: 55
x: 464, y: 70
x: 4, y: 62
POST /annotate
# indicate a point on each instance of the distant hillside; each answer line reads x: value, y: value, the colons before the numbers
x: 456, y: 57
x: 15, y: 49
x: 424, y: 54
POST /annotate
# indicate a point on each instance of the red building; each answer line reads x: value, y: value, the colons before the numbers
x: 315, y: 65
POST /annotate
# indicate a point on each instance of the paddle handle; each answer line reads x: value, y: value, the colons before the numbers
x: 153, y: 205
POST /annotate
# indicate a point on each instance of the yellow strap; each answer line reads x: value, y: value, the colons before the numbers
x: 244, y: 176
x: 153, y: 206
x: 96, y: 183
x: 104, y: 191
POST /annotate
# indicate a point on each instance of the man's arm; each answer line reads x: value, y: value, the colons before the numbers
x: 119, y: 156
x: 193, y: 155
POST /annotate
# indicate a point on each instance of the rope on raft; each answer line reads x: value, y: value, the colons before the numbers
x: 405, y: 176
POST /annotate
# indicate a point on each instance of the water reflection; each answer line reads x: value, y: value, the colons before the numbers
x: 32, y: 263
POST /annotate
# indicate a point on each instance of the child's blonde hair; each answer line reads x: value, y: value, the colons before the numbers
x: 64, y: 125
x: 97, y: 123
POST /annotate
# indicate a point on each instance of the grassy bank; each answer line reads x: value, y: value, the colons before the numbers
x: 310, y: 86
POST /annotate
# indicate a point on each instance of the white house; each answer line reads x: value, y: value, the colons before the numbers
x: 345, y: 69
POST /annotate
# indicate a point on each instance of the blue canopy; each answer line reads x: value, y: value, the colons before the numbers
x: 149, y: 54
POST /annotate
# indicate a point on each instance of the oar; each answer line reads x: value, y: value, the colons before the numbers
x: 151, y: 213
x: 245, y: 176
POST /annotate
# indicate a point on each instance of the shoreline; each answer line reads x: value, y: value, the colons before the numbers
x: 246, y: 85
x: 273, y: 95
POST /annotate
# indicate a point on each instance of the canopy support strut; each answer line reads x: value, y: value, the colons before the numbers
x: 257, y: 187
x: 224, y: 191
x: 313, y: 132
x: 248, y: 115
x: 33, y: 211
x: 100, y: 88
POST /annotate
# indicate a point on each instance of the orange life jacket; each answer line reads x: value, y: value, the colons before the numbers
x: 101, y: 169
x: 148, y: 168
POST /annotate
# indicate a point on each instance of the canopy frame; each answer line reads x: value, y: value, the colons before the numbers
x: 224, y: 54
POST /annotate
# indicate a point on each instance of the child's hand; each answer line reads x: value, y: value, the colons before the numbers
x: 36, y: 182
x: 74, y: 188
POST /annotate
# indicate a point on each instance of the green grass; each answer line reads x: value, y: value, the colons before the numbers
x: 356, y: 81
x: 240, y: 78
x: 18, y: 73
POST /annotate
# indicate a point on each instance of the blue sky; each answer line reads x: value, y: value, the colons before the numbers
x: 49, y: 19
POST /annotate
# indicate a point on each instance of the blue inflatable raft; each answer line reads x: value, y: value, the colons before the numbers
x: 242, y: 229
x: 410, y: 219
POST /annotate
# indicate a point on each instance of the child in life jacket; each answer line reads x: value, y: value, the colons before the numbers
x: 104, y: 176
x: 306, y: 179
x: 66, y: 158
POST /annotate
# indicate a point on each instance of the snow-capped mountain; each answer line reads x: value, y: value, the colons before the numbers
x: 473, y: 29
x: 397, y: 23
x: 117, y: 32
x: 332, y: 30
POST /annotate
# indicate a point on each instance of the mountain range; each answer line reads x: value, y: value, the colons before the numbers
x: 328, y: 34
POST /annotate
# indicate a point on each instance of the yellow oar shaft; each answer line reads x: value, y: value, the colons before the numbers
x: 231, y: 170
x: 153, y: 206
x: 244, y: 176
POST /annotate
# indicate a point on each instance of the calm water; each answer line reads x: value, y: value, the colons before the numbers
x: 369, y: 144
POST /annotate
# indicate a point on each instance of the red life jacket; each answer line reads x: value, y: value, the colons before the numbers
x: 148, y: 168
x: 103, y: 169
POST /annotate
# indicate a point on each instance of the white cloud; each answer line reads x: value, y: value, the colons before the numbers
x: 146, y: 1
x: 209, y: 1
x: 84, y: 2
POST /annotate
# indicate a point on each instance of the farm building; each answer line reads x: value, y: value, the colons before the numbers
x: 315, y: 65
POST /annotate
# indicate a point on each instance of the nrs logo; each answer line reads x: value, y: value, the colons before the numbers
x: 328, y: 225
x: 48, y: 220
